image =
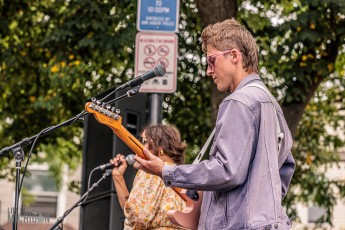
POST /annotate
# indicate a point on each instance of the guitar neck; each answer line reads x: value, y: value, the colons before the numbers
x: 130, y: 141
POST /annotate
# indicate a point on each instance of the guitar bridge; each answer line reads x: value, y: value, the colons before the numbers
x: 192, y: 194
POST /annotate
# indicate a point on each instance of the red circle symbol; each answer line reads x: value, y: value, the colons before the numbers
x: 149, y: 50
x: 163, y: 50
x: 149, y: 62
x: 164, y: 62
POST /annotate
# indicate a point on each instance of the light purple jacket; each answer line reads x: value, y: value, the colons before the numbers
x: 245, y: 178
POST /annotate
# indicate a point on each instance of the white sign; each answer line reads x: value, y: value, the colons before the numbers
x: 152, y: 49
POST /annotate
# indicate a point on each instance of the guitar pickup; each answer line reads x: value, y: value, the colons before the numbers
x: 192, y: 194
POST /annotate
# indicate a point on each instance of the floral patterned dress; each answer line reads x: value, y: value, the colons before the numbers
x: 148, y: 203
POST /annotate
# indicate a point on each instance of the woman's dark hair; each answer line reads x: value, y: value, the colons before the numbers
x: 168, y: 138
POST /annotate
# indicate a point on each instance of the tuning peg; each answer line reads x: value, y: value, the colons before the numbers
x: 117, y: 111
x: 93, y: 99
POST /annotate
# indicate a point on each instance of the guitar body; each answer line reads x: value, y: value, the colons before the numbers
x: 189, y: 217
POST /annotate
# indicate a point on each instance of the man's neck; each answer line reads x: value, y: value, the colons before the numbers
x: 238, y: 77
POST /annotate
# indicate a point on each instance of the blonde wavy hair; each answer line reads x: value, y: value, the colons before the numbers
x: 230, y: 34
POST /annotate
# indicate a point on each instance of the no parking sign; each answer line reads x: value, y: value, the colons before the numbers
x: 153, y: 49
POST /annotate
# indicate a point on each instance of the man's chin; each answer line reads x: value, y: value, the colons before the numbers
x: 221, y: 89
x: 224, y: 90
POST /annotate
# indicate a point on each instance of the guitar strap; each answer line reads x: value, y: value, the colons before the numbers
x: 280, y: 135
x: 204, y: 148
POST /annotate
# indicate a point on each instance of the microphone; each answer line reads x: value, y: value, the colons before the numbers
x: 158, y: 71
x: 130, y: 160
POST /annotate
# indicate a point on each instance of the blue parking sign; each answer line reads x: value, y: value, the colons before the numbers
x: 158, y: 15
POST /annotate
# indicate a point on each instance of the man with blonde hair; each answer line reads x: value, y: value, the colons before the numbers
x: 250, y: 164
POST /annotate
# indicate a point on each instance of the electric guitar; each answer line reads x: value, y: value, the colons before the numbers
x: 107, y: 115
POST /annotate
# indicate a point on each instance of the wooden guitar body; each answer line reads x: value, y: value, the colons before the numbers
x: 188, y: 217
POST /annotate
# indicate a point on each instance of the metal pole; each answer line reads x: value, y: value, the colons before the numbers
x: 156, y: 112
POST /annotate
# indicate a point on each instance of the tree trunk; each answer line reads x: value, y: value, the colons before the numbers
x: 212, y: 11
x: 293, y: 112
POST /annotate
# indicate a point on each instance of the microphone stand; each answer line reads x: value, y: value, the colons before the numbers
x: 19, y: 153
x: 27, y: 141
x: 56, y: 226
x: 19, y: 156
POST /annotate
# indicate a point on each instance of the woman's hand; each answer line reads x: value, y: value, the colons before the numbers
x: 120, y: 165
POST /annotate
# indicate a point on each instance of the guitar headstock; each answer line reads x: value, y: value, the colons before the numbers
x: 105, y: 114
x: 108, y: 115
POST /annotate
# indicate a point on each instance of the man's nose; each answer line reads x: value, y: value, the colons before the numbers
x: 209, y: 71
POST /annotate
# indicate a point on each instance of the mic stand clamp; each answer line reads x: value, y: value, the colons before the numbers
x: 129, y: 93
x: 57, y: 226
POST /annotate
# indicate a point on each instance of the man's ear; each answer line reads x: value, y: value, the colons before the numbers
x: 235, y: 55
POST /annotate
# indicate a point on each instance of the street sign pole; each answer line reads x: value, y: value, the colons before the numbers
x: 159, y: 18
x: 156, y: 112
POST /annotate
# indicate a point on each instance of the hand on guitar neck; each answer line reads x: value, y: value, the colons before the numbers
x: 151, y: 164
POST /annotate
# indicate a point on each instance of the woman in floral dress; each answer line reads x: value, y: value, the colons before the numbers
x: 146, y: 206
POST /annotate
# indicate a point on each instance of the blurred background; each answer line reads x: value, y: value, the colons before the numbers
x: 57, y: 54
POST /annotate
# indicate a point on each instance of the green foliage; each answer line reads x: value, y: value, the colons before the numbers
x: 314, y: 152
x: 301, y: 49
x: 318, y: 139
x: 301, y: 44
x: 28, y: 198
x: 54, y: 55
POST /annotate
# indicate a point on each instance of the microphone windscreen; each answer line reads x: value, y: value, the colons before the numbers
x: 130, y: 159
x: 160, y: 70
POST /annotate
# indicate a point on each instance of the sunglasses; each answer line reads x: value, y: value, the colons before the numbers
x: 143, y: 140
x: 211, y: 60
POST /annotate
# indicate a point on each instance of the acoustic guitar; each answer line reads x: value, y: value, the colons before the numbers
x: 107, y: 115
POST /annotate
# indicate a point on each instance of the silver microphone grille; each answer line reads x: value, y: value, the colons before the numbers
x: 130, y: 159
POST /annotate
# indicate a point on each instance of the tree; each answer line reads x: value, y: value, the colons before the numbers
x: 56, y: 54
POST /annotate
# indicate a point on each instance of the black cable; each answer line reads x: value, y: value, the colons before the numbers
x: 34, y: 143
x: 88, y: 187
x: 29, y: 156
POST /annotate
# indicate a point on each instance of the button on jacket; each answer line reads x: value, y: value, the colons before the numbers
x: 245, y: 178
